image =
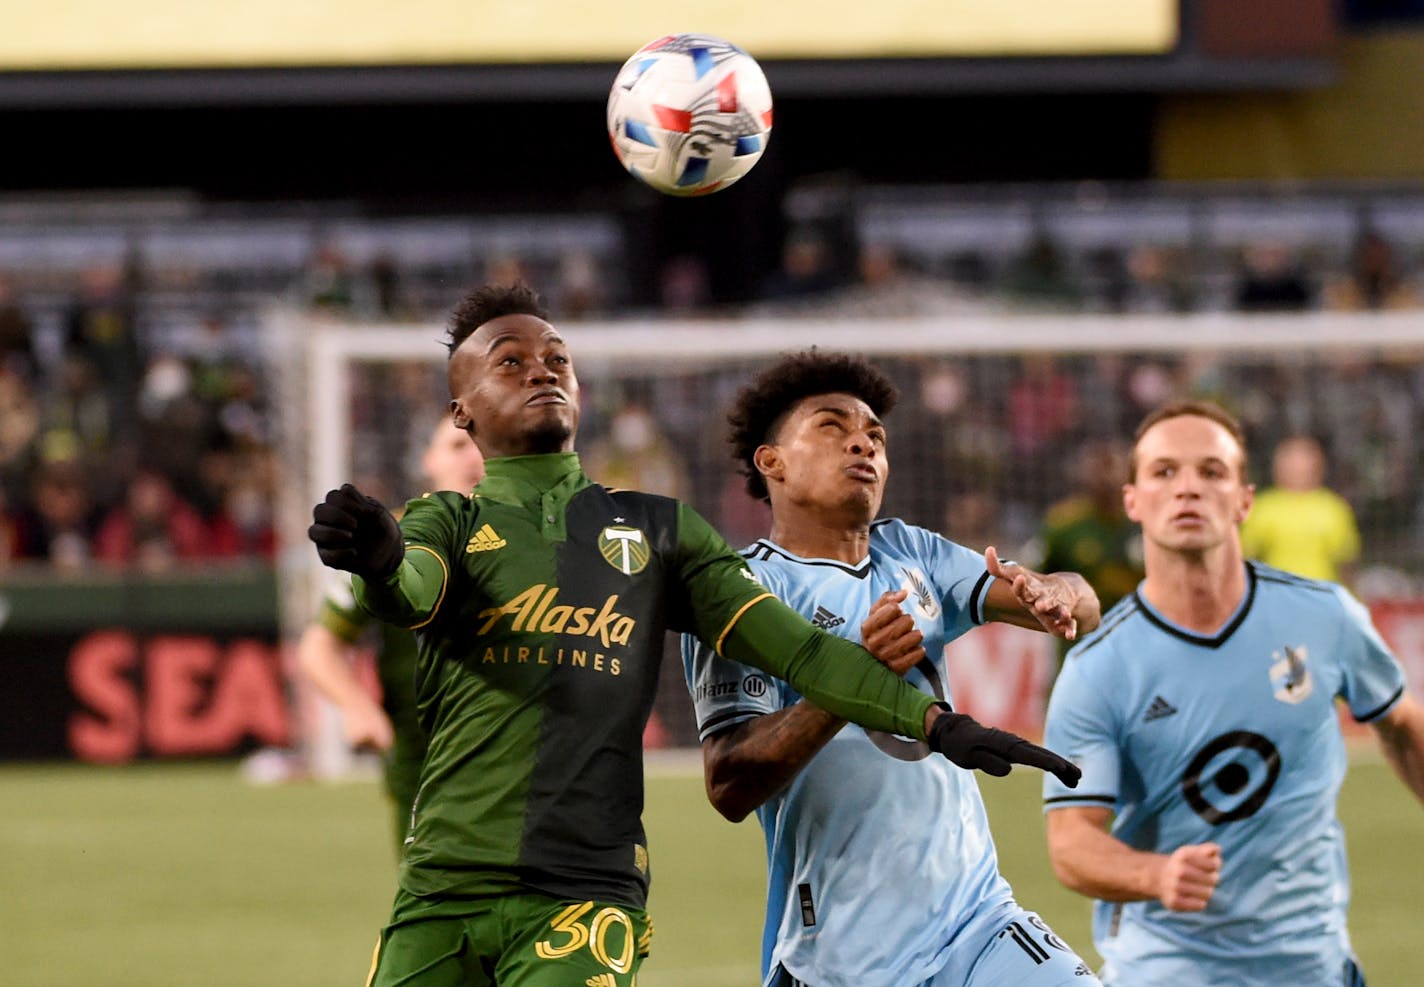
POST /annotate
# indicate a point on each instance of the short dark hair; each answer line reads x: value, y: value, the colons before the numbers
x: 490, y: 302
x: 1197, y: 408
x: 762, y: 405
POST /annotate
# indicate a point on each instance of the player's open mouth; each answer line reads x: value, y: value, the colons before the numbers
x: 861, y: 471
x: 547, y: 397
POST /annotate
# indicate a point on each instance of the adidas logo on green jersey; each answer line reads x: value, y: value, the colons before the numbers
x: 484, y: 540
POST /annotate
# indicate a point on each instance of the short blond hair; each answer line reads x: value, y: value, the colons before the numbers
x: 1194, y: 407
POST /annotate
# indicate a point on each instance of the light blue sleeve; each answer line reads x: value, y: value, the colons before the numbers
x: 960, y: 578
x: 725, y: 692
x: 1373, y: 680
x: 1080, y: 725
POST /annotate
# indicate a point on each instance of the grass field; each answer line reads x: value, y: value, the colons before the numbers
x: 187, y: 876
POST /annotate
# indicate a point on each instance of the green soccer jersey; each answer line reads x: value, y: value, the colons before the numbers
x: 540, y: 605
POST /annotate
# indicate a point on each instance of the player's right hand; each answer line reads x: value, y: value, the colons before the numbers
x: 356, y: 533
x: 890, y: 635
x: 1189, y: 877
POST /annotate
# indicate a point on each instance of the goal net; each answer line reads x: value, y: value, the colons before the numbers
x: 996, y: 417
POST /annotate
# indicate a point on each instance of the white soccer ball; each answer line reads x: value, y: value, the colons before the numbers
x: 689, y: 114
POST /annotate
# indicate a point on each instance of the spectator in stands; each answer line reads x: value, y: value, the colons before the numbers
x: 9, y: 532
x: 19, y: 423
x: 17, y: 335
x: 1272, y: 280
x: 1043, y: 404
x: 100, y: 330
x: 1088, y: 532
x: 1040, y: 277
x: 684, y: 285
x: 582, y: 287
x: 1373, y: 282
x: 1155, y: 282
x: 243, y: 525
x: 58, y: 523
x: 152, y: 528
x: 328, y: 283
x: 1298, y: 524
x: 807, y: 268
x: 635, y: 454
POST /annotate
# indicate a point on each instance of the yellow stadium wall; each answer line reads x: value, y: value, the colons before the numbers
x: 1367, y: 125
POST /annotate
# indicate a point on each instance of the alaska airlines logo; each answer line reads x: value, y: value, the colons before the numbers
x: 1291, y: 675
x: 535, y: 611
x: 624, y: 548
x: 484, y: 540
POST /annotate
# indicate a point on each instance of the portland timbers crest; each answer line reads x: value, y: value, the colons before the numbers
x: 625, y: 549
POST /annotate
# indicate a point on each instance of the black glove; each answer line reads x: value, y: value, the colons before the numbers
x: 356, y: 533
x: 970, y: 744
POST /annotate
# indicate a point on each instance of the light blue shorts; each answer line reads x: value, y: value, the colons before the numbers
x: 1019, y: 950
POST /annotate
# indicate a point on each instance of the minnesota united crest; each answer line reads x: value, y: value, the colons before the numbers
x: 921, y: 598
x: 625, y: 549
x: 1291, y: 675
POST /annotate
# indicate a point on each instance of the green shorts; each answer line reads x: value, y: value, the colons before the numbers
x: 521, y: 940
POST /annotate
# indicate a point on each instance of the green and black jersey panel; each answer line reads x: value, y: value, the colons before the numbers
x: 537, y: 676
x: 541, y: 605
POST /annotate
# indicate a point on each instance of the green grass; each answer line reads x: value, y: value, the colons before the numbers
x: 186, y: 875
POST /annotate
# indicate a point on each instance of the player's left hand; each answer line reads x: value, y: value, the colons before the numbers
x: 970, y: 744
x: 1050, y: 598
x: 889, y: 634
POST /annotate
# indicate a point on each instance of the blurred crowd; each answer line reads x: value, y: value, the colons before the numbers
x: 137, y: 419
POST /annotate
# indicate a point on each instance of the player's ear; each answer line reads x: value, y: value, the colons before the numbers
x: 460, y: 417
x: 1129, y: 502
x: 1248, y: 497
x: 768, y: 462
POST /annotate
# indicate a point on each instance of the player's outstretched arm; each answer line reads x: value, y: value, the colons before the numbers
x: 752, y: 761
x: 323, y: 659
x: 1401, y: 737
x: 1090, y: 860
x: 1061, y: 603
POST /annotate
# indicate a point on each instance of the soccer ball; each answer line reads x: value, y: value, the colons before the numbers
x: 689, y: 114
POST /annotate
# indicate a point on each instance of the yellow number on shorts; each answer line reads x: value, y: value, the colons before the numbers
x: 567, y: 921
x: 598, y: 935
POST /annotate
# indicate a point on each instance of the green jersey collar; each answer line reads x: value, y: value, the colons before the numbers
x: 522, y: 479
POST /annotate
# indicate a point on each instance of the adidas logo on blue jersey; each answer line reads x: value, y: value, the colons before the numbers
x: 1159, y: 708
x: 825, y: 620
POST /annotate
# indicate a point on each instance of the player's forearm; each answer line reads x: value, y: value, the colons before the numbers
x: 1401, y: 735
x: 1093, y: 862
x: 321, y: 655
x: 755, y: 760
x: 840, y: 677
x: 410, y: 596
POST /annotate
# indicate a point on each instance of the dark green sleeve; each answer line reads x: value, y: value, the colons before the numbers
x: 734, y: 615
x: 412, y: 595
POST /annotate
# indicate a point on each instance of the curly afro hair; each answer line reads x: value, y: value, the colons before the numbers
x: 762, y: 405
x: 490, y: 302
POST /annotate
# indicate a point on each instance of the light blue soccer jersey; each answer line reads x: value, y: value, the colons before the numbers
x: 879, y: 855
x: 1232, y: 738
